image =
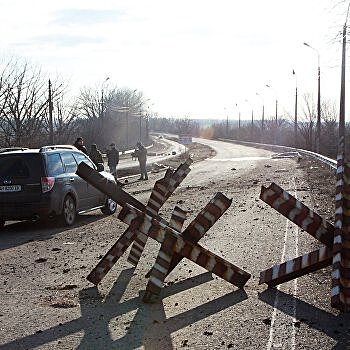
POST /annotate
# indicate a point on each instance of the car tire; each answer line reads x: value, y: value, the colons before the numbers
x: 110, y: 207
x: 69, y: 210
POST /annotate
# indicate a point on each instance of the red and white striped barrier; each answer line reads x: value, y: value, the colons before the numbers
x: 340, y: 296
x: 164, y: 258
x: 308, y: 220
x: 336, y: 238
x: 159, y: 195
x: 192, y: 251
x: 298, y: 213
x: 162, y: 190
x: 296, y: 267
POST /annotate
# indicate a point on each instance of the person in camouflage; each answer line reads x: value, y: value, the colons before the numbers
x: 141, y: 152
x: 95, y: 154
x: 113, y: 159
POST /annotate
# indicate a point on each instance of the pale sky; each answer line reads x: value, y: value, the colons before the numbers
x: 196, y: 58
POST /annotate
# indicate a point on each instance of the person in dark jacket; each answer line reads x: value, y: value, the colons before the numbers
x: 95, y: 154
x: 79, y: 143
x: 141, y: 152
x: 113, y: 159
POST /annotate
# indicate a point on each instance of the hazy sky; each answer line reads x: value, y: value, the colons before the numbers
x: 196, y: 57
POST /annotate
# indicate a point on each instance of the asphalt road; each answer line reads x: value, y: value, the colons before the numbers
x: 48, y: 304
x: 169, y: 147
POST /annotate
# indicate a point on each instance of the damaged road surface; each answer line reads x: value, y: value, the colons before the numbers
x: 47, y: 303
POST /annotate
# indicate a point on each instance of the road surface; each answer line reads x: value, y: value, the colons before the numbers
x: 170, y: 149
x: 48, y: 304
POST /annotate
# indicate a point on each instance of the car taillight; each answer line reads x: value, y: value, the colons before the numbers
x: 47, y: 184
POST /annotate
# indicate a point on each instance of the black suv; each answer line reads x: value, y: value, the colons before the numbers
x: 39, y: 183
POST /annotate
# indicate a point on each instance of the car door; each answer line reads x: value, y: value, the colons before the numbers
x: 72, y: 180
x: 95, y: 197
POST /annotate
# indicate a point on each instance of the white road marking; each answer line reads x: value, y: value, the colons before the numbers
x: 281, y: 323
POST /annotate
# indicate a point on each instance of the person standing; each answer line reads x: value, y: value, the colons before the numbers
x: 141, y: 152
x: 113, y: 159
x: 95, y: 154
x: 79, y: 144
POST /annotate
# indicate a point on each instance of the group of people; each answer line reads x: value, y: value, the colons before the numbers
x: 113, y: 156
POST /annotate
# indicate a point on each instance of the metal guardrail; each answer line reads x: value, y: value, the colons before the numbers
x: 329, y: 161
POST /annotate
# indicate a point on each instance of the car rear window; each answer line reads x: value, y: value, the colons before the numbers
x: 54, y: 165
x: 20, y: 166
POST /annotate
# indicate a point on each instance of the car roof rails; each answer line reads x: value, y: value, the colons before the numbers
x: 10, y: 149
x: 53, y: 147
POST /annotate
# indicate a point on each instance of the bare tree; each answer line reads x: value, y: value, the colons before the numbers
x: 110, y: 115
x: 306, y: 124
x: 24, y: 103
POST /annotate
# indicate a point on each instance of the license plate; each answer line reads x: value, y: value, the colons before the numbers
x: 11, y: 188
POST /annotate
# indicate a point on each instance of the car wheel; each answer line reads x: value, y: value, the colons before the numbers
x: 69, y: 211
x: 110, y: 207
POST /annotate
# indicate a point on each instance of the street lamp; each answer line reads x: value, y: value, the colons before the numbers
x: 296, y: 111
x: 263, y: 111
x: 239, y: 116
x: 270, y: 87
x: 226, y: 121
x: 318, y: 124
x: 122, y: 109
x: 50, y: 115
x: 341, y: 132
x: 141, y: 115
x: 252, y: 126
x: 276, y: 116
x: 102, y: 97
x: 127, y: 121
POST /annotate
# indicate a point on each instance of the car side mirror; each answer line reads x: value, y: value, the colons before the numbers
x: 100, y: 167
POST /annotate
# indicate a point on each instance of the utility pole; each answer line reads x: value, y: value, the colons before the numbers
x: 318, y: 123
x: 227, y: 125
x: 127, y: 129
x: 239, y: 116
x: 140, y: 127
x: 276, y: 110
x: 342, y: 95
x: 296, y: 111
x: 102, y: 104
x: 318, y: 137
x: 51, y: 138
x: 147, y: 126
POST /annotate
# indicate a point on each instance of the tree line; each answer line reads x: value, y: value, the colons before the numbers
x: 99, y: 114
x: 104, y: 114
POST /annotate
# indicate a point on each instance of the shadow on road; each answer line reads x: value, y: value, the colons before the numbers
x: 21, y: 232
x: 149, y: 327
x: 334, y: 326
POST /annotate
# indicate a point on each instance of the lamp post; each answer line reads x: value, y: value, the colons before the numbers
x: 127, y: 120
x: 122, y: 109
x: 239, y: 116
x: 50, y: 114
x: 141, y: 115
x: 252, y: 125
x: 296, y: 111
x: 102, y: 97
x: 263, y: 112
x: 318, y: 123
x: 276, y: 115
x: 341, y: 132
